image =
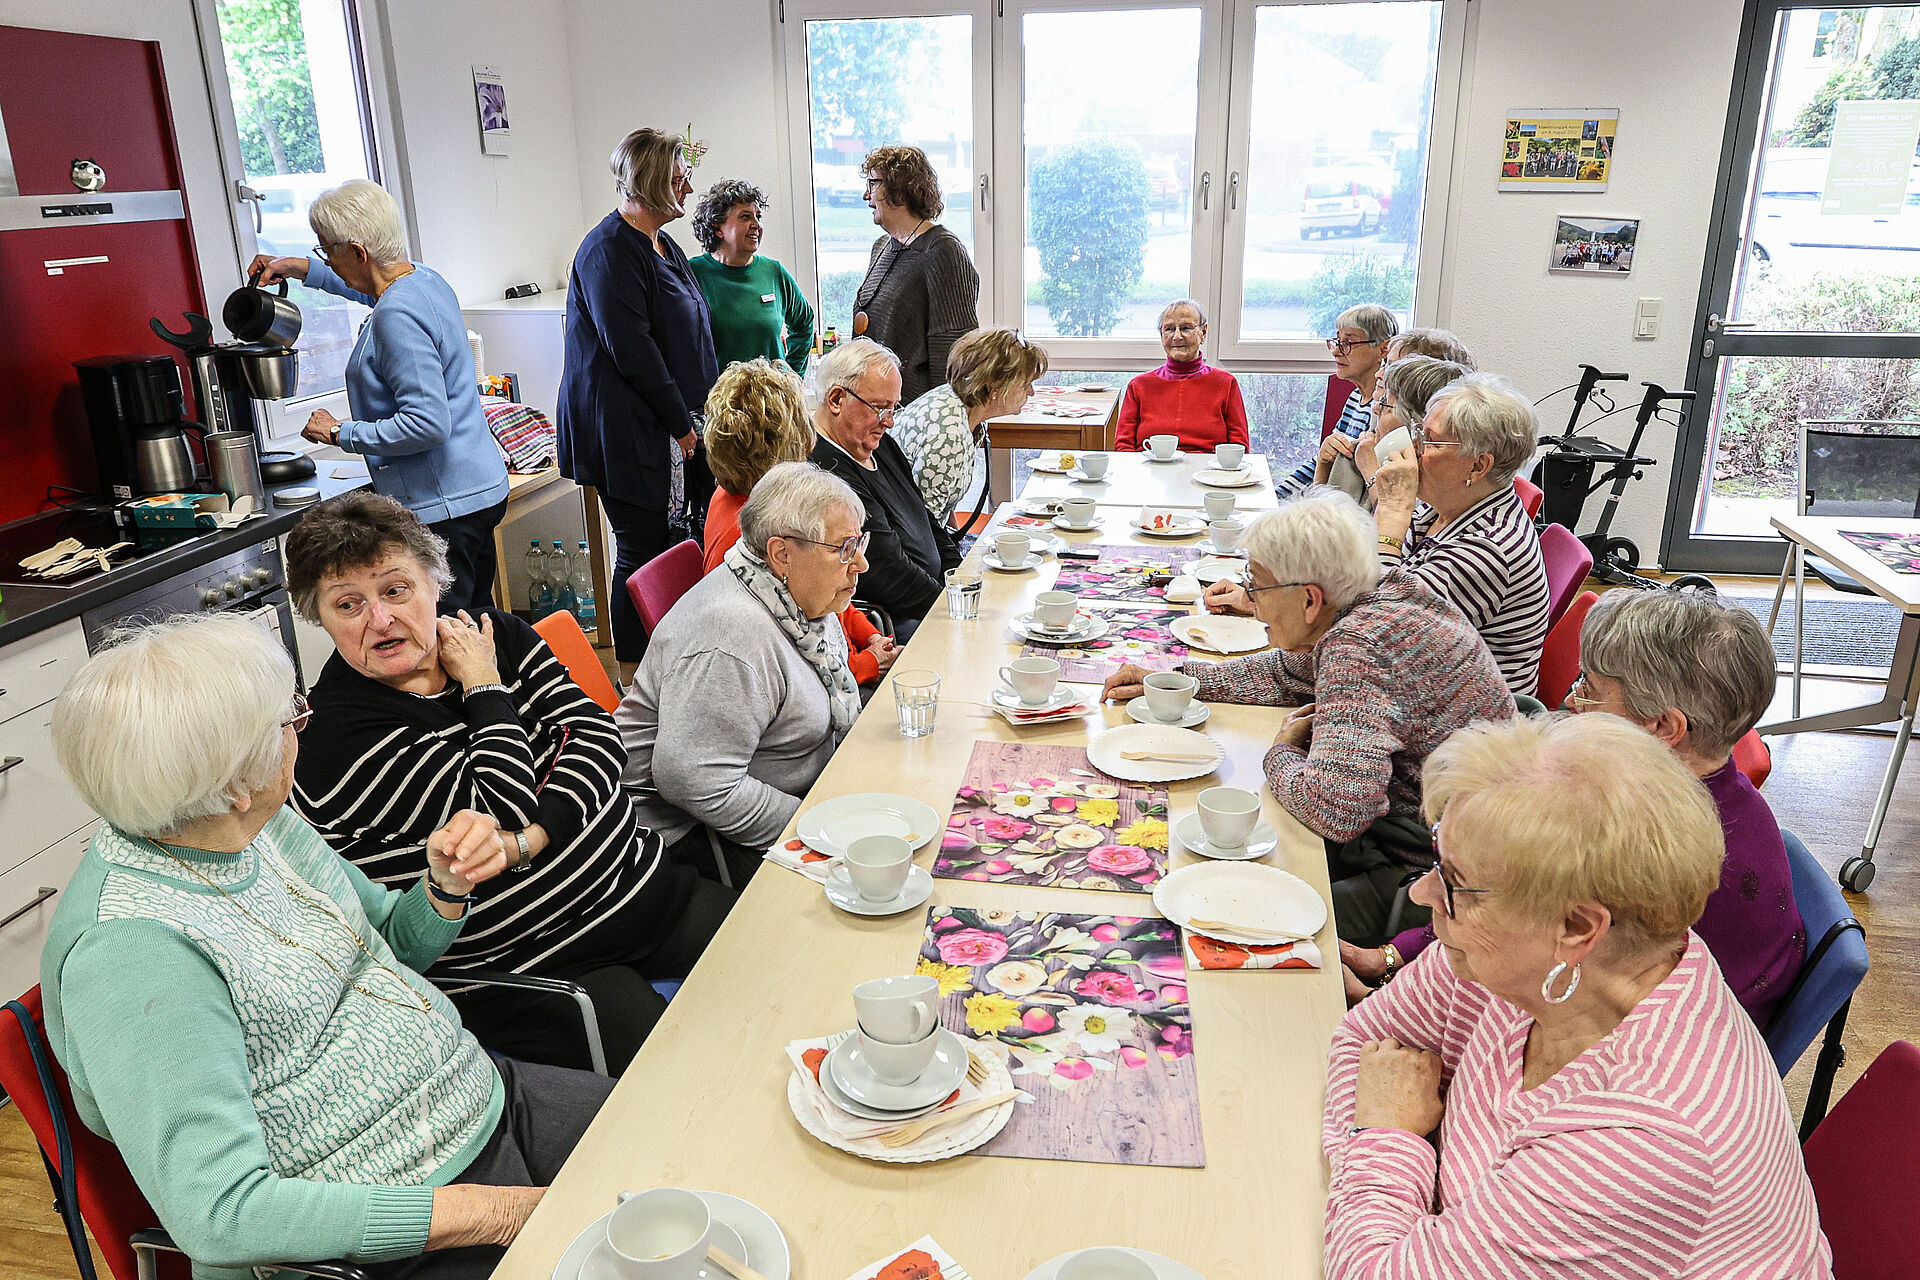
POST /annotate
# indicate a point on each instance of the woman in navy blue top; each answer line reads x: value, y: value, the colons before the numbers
x: 410, y: 382
x: 639, y: 364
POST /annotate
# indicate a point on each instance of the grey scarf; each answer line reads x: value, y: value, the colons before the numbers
x: 809, y: 637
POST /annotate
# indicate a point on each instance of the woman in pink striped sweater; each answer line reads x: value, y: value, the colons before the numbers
x: 1603, y: 1105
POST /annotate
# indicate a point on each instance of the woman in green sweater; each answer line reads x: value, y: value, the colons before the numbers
x: 757, y: 307
x: 239, y: 1010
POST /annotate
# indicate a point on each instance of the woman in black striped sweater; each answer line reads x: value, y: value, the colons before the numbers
x: 415, y: 717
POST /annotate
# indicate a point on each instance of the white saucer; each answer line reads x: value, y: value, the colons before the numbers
x: 1163, y: 1268
x: 838, y: 1097
x: 1262, y: 842
x: 1212, y: 568
x: 842, y: 894
x: 1080, y: 477
x: 1177, y: 456
x: 1197, y: 713
x: 1060, y: 523
x: 1062, y: 695
x: 1023, y: 625
x: 856, y: 1079
x: 1033, y: 561
x: 763, y: 1246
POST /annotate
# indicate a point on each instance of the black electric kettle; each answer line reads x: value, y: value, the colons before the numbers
x: 254, y: 315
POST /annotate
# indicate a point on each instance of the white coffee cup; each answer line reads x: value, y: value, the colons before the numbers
x: 1094, y: 465
x: 1012, y: 548
x: 1219, y: 505
x: 1168, y: 693
x: 900, y: 1010
x: 1105, y: 1264
x: 1163, y: 446
x: 1032, y: 678
x: 1055, y: 608
x: 1229, y: 456
x: 1225, y: 534
x: 660, y: 1234
x: 878, y: 866
x: 898, y: 1063
x: 1393, y: 442
x: 1228, y: 815
x: 1078, y: 511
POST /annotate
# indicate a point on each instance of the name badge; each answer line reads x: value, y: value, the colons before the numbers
x: 766, y: 297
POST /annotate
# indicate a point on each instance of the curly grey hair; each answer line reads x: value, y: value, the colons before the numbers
x: 717, y: 204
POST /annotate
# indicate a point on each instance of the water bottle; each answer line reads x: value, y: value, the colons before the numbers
x: 539, y: 590
x: 560, y: 574
x: 583, y: 607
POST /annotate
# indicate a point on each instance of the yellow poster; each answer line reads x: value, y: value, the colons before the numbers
x: 1558, y: 149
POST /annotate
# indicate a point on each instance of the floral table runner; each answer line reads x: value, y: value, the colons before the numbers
x: 1039, y: 814
x: 1122, y: 573
x: 1137, y: 633
x: 1090, y: 1013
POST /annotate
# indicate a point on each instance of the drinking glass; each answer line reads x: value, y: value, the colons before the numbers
x: 963, y: 595
x: 916, y: 696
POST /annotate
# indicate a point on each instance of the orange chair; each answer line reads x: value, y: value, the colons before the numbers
x: 561, y: 630
x: 1532, y: 496
x: 1560, y: 655
x: 1751, y: 757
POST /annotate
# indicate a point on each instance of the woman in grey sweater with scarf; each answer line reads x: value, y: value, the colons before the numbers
x: 744, y: 691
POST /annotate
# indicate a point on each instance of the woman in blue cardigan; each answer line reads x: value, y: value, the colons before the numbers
x: 410, y: 382
x: 639, y: 364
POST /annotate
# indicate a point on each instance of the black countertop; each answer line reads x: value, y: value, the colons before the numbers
x: 26, y: 610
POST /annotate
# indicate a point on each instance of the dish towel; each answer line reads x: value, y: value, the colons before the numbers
x: 1211, y: 953
x: 795, y: 856
x: 922, y: 1260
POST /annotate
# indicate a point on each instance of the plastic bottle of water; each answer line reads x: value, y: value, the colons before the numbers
x: 583, y: 606
x: 560, y: 574
x: 539, y: 590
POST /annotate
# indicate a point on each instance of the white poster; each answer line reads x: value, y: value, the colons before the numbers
x: 490, y: 93
x: 1873, y: 144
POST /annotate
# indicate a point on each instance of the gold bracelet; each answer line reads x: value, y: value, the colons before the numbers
x: 1396, y: 544
x: 1394, y: 962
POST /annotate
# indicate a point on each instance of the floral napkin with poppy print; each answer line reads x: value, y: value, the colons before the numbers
x: 1039, y: 814
x: 1211, y: 953
x: 808, y: 1058
x: 794, y: 855
x: 922, y: 1260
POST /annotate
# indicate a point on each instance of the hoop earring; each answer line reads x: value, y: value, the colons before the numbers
x: 1553, y: 974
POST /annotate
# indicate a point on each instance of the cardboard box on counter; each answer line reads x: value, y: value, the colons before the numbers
x: 192, y: 512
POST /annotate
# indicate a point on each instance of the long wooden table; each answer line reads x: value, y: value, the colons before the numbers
x: 1135, y: 480
x: 1032, y: 429
x: 704, y: 1105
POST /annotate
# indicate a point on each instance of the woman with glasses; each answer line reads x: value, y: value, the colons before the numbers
x: 745, y: 691
x: 921, y: 291
x: 1186, y: 396
x: 1565, y: 1086
x: 1400, y: 398
x: 241, y: 1013
x: 990, y: 374
x: 1359, y: 347
x: 858, y: 394
x: 410, y: 382
x: 1380, y: 671
x: 416, y: 718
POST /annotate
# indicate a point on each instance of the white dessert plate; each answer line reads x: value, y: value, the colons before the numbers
x: 1220, y: 632
x: 1215, y: 478
x: 1103, y: 753
x: 831, y: 825
x: 1178, y: 526
x: 1274, y: 905
x: 1164, y: 1268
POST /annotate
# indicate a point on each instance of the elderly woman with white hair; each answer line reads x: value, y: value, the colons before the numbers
x: 638, y: 361
x: 1361, y: 335
x: 410, y: 381
x: 241, y: 1013
x: 1185, y: 396
x: 1603, y: 1105
x: 745, y: 690
x: 1400, y: 398
x: 1381, y: 671
x: 910, y: 550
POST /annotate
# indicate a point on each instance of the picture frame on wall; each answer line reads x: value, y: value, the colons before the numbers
x: 490, y: 100
x: 1585, y: 245
x: 1566, y: 149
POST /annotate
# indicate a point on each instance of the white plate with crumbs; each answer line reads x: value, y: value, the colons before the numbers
x: 1220, y: 632
x: 1269, y: 905
x: 1104, y: 753
x: 830, y: 826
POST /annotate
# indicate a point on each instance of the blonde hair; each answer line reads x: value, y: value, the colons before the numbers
x: 360, y: 212
x: 987, y: 363
x: 1583, y: 809
x: 1322, y: 537
x: 756, y: 419
x: 1436, y: 344
x: 642, y: 167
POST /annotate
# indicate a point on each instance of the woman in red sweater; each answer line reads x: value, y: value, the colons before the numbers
x: 1186, y: 396
x: 756, y: 419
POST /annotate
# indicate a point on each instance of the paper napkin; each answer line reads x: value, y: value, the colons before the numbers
x: 808, y: 1056
x: 1211, y: 953
x: 794, y: 855
x: 924, y: 1259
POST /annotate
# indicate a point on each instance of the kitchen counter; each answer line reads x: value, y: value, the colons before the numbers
x: 26, y: 610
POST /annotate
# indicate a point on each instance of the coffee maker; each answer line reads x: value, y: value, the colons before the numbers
x: 137, y: 416
x: 230, y: 377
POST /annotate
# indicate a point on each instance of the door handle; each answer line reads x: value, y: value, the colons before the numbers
x: 246, y: 194
x: 46, y: 891
x: 983, y: 193
x: 11, y: 761
x: 1206, y: 191
x: 1233, y: 190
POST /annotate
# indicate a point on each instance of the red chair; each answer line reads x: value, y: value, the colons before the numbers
x: 1338, y: 389
x: 1751, y: 757
x: 657, y: 585
x: 91, y: 1186
x: 1560, y: 655
x: 561, y: 630
x: 1532, y: 496
x: 1568, y: 563
x: 1860, y: 1161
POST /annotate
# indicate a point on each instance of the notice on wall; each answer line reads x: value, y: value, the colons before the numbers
x: 1871, y: 157
x: 490, y: 95
x: 1558, y: 149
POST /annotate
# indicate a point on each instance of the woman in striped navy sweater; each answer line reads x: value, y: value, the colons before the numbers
x: 416, y: 717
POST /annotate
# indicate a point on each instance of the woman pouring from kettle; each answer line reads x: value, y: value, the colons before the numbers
x: 410, y: 382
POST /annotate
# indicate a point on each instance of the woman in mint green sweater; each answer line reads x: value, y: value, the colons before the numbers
x: 239, y: 1010
x: 757, y: 307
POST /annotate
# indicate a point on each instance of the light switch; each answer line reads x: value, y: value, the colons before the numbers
x: 1646, y: 318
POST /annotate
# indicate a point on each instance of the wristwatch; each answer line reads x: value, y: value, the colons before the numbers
x: 526, y: 851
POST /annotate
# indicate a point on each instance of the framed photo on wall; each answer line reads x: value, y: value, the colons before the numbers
x: 1558, y: 148
x: 1585, y: 246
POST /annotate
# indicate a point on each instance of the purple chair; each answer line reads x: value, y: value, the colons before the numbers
x: 657, y: 585
x: 1568, y: 562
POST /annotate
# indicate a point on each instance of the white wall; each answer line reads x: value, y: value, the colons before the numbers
x: 1667, y: 67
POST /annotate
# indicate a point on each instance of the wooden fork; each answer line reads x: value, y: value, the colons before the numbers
x: 1163, y: 755
x: 908, y: 1134
x: 732, y: 1265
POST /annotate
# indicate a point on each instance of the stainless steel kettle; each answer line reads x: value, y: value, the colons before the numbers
x: 161, y: 460
x: 254, y: 315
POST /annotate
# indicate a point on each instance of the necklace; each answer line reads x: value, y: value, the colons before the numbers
x: 924, y: 224
x: 416, y: 1000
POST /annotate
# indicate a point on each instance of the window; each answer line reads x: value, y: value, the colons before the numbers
x: 300, y: 123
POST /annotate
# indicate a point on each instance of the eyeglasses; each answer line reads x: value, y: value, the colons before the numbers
x: 1449, y: 886
x: 324, y: 252
x: 1181, y: 330
x: 301, y: 714
x: 1581, y: 693
x: 851, y: 548
x: 878, y: 412
x: 1423, y: 442
x: 1246, y: 584
x: 1340, y: 346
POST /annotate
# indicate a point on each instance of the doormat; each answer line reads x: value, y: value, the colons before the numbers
x: 1840, y: 633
